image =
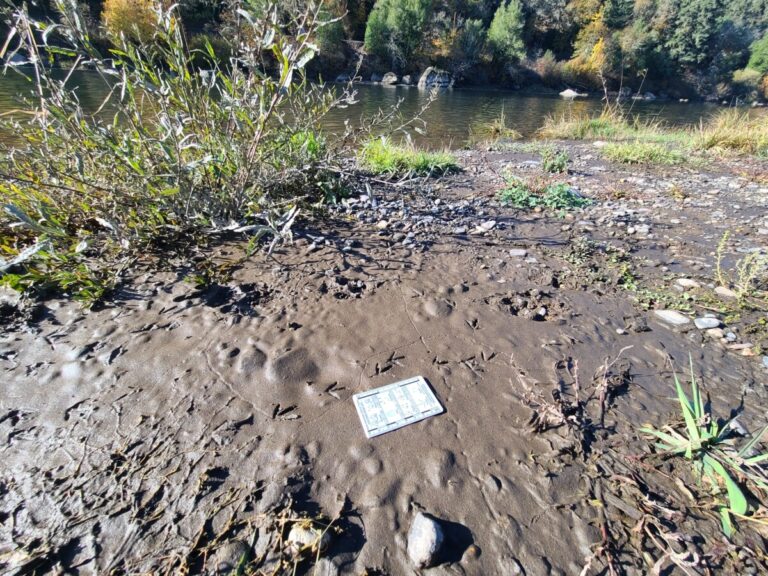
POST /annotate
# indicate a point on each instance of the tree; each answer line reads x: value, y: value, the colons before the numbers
x: 505, y: 35
x: 759, y: 55
x: 694, y: 31
x: 618, y: 13
x: 395, y: 29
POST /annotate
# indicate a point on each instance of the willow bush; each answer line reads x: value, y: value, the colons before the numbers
x: 184, y: 145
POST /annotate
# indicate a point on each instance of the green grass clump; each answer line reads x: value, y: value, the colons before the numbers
x: 381, y: 156
x: 735, y: 131
x: 701, y: 440
x: 638, y: 152
x: 494, y: 131
x: 556, y: 196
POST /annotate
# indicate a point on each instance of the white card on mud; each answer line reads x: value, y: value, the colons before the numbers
x: 390, y: 407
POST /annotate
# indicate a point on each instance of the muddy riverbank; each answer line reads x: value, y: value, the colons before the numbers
x: 179, y: 428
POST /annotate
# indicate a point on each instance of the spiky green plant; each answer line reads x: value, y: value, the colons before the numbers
x: 701, y: 440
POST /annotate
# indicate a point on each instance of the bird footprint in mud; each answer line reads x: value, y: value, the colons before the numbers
x: 388, y: 364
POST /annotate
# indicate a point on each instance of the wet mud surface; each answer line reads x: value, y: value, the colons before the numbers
x: 176, y: 424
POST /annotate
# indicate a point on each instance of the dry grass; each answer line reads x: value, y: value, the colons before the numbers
x: 735, y: 131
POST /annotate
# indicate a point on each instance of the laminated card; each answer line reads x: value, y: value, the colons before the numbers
x: 390, y: 407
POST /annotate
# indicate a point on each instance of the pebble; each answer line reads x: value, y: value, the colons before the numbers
x: 672, y: 317
x: 731, y: 337
x: 765, y: 362
x: 716, y: 333
x: 727, y: 293
x: 460, y: 230
x: 301, y: 536
x: 707, y: 323
x: 518, y: 253
x: 382, y: 224
x: 425, y: 538
x: 687, y: 283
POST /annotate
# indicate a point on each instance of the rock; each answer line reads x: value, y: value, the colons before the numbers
x: 461, y: 230
x: 302, y: 536
x: 672, y: 317
x: 389, y: 78
x: 726, y: 293
x: 425, y: 538
x: 716, y: 333
x: 707, y: 323
x: 382, y: 224
x: 484, y: 227
x: 230, y: 556
x: 687, y: 283
x: 435, y: 78
x: 518, y: 253
x: 765, y: 362
x: 407, y: 80
x: 571, y: 94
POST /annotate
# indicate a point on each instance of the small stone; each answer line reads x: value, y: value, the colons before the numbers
x: 716, y: 333
x: 484, y: 227
x: 518, y: 253
x: 382, y: 224
x: 687, y: 283
x: 460, y: 231
x: 302, y: 536
x: 731, y: 337
x: 726, y: 293
x: 707, y: 323
x: 620, y: 331
x: 672, y: 317
x: 765, y: 362
x: 425, y: 539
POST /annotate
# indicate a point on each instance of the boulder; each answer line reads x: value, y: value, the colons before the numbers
x: 435, y: 78
x: 407, y: 80
x: 389, y: 78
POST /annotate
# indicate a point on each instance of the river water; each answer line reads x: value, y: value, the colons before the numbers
x: 449, y: 120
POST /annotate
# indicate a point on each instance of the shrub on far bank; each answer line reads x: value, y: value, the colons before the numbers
x: 382, y: 156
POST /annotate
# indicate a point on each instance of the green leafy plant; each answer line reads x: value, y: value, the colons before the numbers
x: 554, y: 161
x: 748, y: 274
x: 701, y: 440
x: 540, y: 193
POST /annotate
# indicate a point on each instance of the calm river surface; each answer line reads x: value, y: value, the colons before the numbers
x: 450, y: 119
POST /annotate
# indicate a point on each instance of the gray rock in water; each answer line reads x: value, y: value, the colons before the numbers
x: 706, y: 323
x: 435, y: 78
x: 672, y: 317
x: 425, y: 538
x: 389, y: 78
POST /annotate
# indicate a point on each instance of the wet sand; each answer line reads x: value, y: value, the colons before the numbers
x: 142, y: 436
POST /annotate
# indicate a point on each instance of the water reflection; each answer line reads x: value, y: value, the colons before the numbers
x: 449, y: 119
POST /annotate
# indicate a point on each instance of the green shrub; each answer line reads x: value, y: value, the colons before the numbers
x: 381, y: 156
x: 505, y: 34
x: 181, y: 154
x: 758, y: 59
